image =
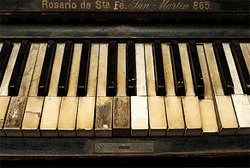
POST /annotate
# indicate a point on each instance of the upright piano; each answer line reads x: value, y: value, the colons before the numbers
x: 124, y: 78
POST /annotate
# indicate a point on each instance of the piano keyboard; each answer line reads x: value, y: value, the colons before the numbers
x: 124, y: 89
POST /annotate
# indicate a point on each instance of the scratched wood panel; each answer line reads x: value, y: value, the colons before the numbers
x: 121, y: 116
x: 103, y: 118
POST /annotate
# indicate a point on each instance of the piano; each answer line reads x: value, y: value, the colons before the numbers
x: 124, y: 78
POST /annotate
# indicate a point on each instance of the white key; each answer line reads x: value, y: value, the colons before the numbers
x: 240, y: 101
x: 4, y: 103
x: 16, y: 109
x: 227, y: 121
x: 103, y: 117
x: 85, y: 117
x: 9, y: 69
x: 121, y: 70
x: 213, y: 70
x: 37, y: 71
x: 191, y: 108
x: 232, y: 69
x: 140, y: 70
x: 55, y: 74
x: 157, y: 116
x: 74, y: 73
x: 32, y: 116
x: 208, y: 114
x: 49, y: 119
x: 93, y: 66
x: 245, y: 48
x: 175, y: 119
x: 139, y: 116
x: 1, y: 45
x: 102, y: 70
x: 187, y: 75
x: 150, y: 74
x: 242, y: 109
x: 67, y: 116
x: 208, y: 92
x: 168, y: 72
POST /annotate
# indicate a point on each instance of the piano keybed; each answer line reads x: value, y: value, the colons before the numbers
x: 124, y: 89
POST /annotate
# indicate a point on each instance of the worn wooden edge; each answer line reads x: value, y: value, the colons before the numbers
x: 50, y: 148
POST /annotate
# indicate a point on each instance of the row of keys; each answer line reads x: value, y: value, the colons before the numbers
x: 99, y: 115
x: 111, y: 64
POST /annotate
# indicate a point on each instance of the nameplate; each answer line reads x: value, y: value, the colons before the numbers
x: 125, y: 148
x: 124, y: 6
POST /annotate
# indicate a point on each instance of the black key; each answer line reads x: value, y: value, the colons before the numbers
x: 4, y: 57
x: 224, y: 72
x: 131, y: 69
x: 112, y: 69
x: 44, y: 82
x: 17, y: 74
x: 65, y: 69
x: 196, y: 69
x: 159, y: 71
x: 177, y: 69
x: 84, y: 70
x: 241, y: 66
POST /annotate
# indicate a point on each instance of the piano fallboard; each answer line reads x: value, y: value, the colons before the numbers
x: 52, y: 148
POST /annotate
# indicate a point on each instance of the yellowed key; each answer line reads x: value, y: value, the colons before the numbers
x: 102, y: 70
x: 85, y: 117
x: 93, y: 66
x: 191, y: 108
x: 9, y: 69
x: 13, y: 123
x: 103, y: 117
x: 168, y: 72
x: 33, y: 111
x: 4, y: 103
x: 121, y: 117
x: 157, y: 116
x: 49, y: 120
x: 55, y: 74
x: 67, y: 116
x: 240, y: 101
x: 32, y: 116
x: 246, y: 53
x: 227, y: 121
x: 175, y: 119
x: 121, y: 70
x: 208, y: 114
x: 74, y: 73
x: 150, y: 74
